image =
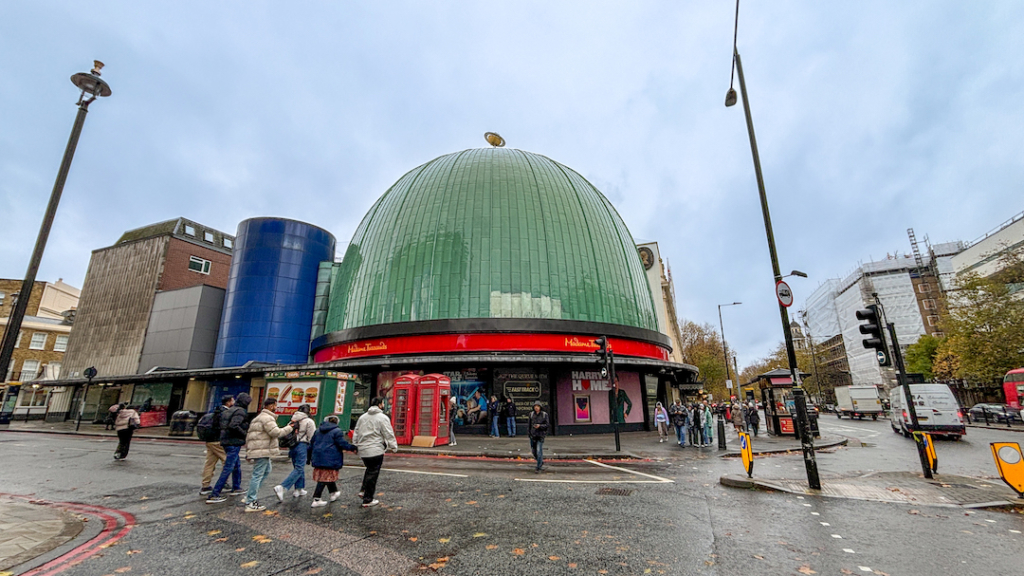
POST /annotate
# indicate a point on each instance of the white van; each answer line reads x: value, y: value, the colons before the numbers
x: 938, y: 411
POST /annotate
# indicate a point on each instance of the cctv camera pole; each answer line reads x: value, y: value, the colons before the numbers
x: 799, y: 397
x: 91, y: 85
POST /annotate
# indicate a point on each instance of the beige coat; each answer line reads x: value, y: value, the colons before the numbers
x: 305, y: 427
x: 124, y: 417
x: 261, y: 441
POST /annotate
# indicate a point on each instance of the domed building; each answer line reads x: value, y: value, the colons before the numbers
x: 498, y: 268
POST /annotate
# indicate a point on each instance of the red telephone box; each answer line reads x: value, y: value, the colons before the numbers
x: 403, y: 412
x: 432, y: 418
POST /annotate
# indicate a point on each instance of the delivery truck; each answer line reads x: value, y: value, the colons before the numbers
x: 858, y: 402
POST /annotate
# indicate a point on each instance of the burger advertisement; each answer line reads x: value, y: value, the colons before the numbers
x: 291, y: 395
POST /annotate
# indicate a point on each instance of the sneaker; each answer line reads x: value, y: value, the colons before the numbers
x: 335, y: 495
x: 301, y: 492
x: 216, y: 499
x: 279, y: 490
x: 371, y: 503
x: 205, y: 490
x: 236, y: 492
x: 254, y: 506
x: 318, y: 503
x: 361, y: 493
x: 454, y: 444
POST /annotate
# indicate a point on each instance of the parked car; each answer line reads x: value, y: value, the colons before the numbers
x: 996, y: 412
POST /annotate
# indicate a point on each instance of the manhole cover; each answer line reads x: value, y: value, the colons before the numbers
x: 613, y: 492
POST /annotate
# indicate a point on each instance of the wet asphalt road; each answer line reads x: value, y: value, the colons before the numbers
x: 486, y: 517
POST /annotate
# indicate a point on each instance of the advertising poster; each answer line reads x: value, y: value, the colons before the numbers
x: 469, y: 390
x: 292, y: 394
x: 582, y: 405
x: 339, y: 397
x: 524, y: 386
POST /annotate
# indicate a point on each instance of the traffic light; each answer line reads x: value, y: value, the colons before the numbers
x: 602, y: 354
x: 872, y: 327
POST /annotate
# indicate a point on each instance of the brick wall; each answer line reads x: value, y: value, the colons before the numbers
x: 44, y: 356
x: 9, y: 287
x: 176, y: 273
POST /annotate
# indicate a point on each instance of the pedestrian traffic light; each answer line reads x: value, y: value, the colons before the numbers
x: 603, y: 351
x: 872, y: 327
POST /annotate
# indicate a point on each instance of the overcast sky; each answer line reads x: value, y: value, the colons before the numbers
x: 871, y: 117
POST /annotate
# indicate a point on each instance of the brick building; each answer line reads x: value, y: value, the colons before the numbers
x: 40, y: 345
x: 155, y: 294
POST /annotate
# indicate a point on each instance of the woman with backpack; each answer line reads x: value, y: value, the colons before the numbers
x: 297, y: 443
x: 125, y: 424
x: 326, y: 454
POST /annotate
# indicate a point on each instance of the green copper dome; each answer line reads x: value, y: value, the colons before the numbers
x: 491, y: 233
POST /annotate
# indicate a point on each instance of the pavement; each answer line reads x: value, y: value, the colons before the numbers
x: 634, y: 445
x: 897, y: 488
x: 29, y: 530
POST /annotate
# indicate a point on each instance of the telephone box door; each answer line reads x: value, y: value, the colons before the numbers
x: 403, y: 412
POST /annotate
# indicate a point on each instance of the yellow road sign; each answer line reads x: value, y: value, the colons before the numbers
x: 1010, y: 463
x: 748, y: 454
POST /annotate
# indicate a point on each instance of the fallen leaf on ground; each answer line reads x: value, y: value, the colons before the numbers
x: 213, y: 532
x: 443, y: 559
x: 444, y: 540
x: 846, y: 571
x: 480, y: 535
x: 413, y: 539
x: 130, y: 552
x: 805, y: 569
x: 221, y: 539
x: 249, y: 564
x: 436, y: 566
x: 313, y: 570
x: 491, y: 546
x: 553, y: 558
x: 758, y: 556
x: 518, y: 551
x: 329, y: 515
x: 189, y: 516
x: 239, y: 549
x: 144, y: 498
x: 572, y: 564
x: 123, y: 569
x: 880, y: 573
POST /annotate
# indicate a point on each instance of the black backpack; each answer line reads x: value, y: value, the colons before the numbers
x: 289, y: 440
x: 206, y: 429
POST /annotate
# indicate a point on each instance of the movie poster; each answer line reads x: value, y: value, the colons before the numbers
x: 469, y: 390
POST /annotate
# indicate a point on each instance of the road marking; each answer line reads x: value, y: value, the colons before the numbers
x: 652, y: 476
x: 815, y: 513
x: 1014, y: 531
x: 837, y: 536
x: 558, y: 481
x: 849, y: 550
x: 417, y: 472
x: 825, y: 524
x: 808, y: 505
x: 864, y: 568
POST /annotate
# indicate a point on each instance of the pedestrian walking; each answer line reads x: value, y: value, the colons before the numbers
x: 510, y: 417
x: 373, y: 436
x: 493, y: 410
x: 539, y: 424
x: 680, y: 419
x: 112, y: 415
x: 661, y: 421
x: 755, y: 419
x: 234, y: 427
x: 738, y: 421
x: 125, y: 424
x: 304, y: 428
x: 260, y: 445
x: 696, y: 428
x: 453, y: 409
x: 707, y: 419
x: 209, y: 432
x: 327, y: 458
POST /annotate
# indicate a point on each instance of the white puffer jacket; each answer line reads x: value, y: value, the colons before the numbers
x: 304, y: 427
x: 373, y: 434
x: 261, y: 441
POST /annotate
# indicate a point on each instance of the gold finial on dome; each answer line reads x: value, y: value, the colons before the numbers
x: 494, y: 139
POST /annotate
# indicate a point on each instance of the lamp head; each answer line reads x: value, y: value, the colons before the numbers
x: 90, y: 82
x: 798, y: 273
x: 730, y: 97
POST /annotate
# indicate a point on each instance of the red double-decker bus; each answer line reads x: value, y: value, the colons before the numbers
x: 1013, y: 387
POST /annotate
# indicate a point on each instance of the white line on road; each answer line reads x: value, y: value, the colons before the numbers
x: 558, y: 481
x: 602, y: 464
x: 416, y: 472
x: 189, y: 455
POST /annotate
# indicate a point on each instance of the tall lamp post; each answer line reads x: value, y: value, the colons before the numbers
x: 725, y: 349
x: 799, y: 396
x: 92, y: 87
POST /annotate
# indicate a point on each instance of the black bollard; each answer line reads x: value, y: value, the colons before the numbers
x: 721, y: 432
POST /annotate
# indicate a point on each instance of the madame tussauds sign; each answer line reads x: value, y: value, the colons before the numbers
x: 589, y: 381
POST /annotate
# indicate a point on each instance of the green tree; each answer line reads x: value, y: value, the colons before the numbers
x: 921, y: 355
x: 985, y: 324
x: 702, y: 347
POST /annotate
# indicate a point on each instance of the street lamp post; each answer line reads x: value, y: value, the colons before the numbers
x: 814, y: 355
x: 799, y: 396
x: 92, y: 87
x: 725, y: 348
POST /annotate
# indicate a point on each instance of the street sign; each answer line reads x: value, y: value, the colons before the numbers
x: 728, y: 384
x: 1010, y: 463
x: 882, y: 358
x: 783, y: 293
x: 747, y: 452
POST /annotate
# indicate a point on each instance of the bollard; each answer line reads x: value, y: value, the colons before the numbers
x: 984, y: 412
x: 721, y: 432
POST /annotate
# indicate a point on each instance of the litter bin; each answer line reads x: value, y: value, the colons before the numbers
x: 183, y: 423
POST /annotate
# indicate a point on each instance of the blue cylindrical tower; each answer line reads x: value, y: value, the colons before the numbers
x: 268, y: 307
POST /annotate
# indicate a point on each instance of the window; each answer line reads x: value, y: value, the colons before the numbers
x: 29, y: 369
x: 922, y: 288
x: 38, y: 341
x: 17, y: 343
x: 33, y: 397
x: 197, y: 264
x: 933, y: 320
x: 208, y: 236
x: 227, y: 244
x: 929, y: 304
x: 2, y: 294
x: 60, y: 344
x: 190, y: 230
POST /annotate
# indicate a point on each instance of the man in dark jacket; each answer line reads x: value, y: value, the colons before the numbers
x: 234, y: 426
x: 681, y: 420
x: 539, y: 424
x: 510, y: 417
x: 214, y: 451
